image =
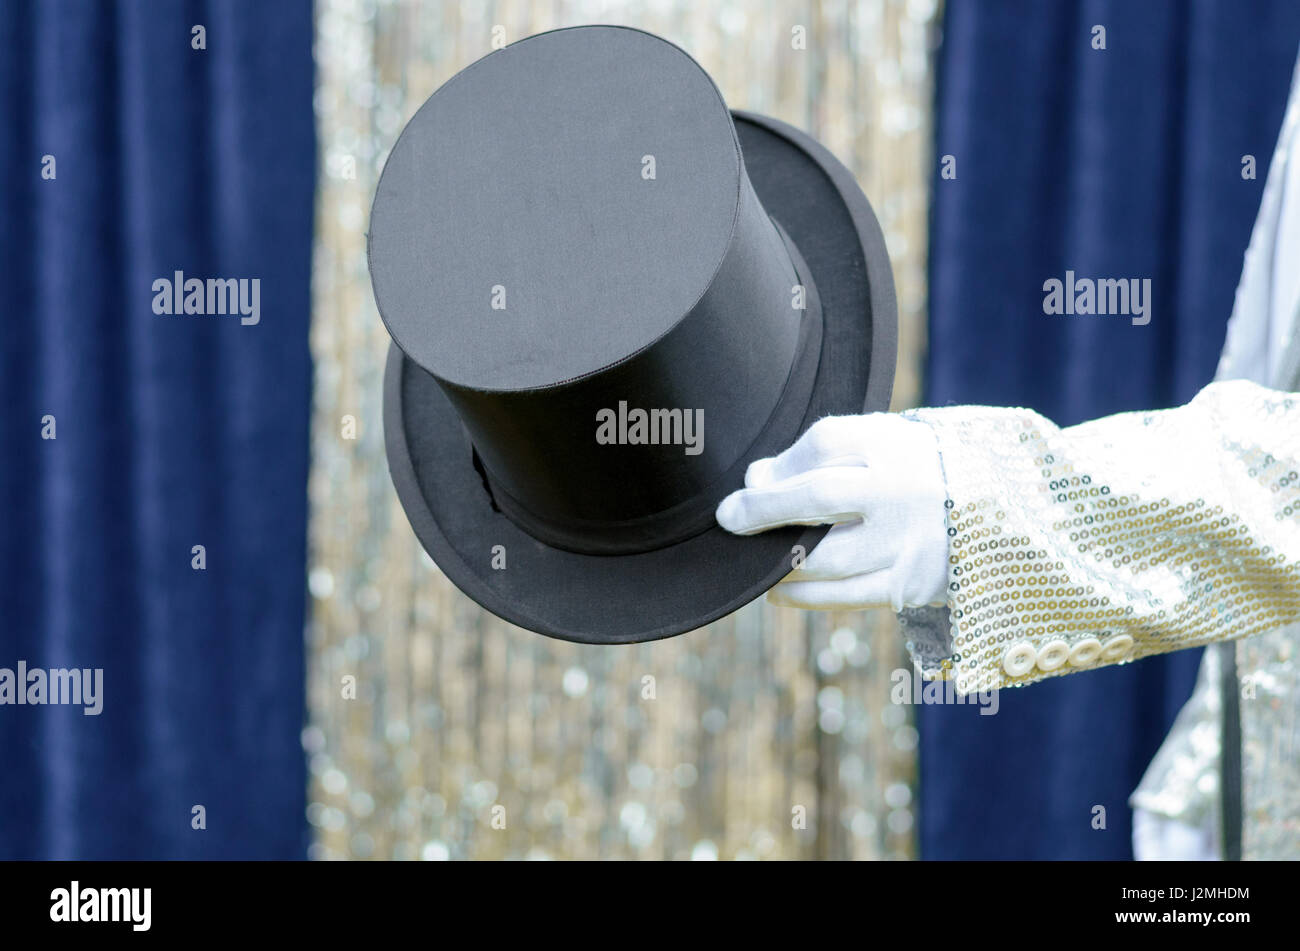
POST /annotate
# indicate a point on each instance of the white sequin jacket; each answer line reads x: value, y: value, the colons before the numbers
x: 1148, y: 532
x: 1126, y: 536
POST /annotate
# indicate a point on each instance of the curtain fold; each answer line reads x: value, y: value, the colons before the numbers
x: 170, y: 431
x: 1122, y: 162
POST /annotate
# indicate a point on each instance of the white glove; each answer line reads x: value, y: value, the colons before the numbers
x: 878, y: 477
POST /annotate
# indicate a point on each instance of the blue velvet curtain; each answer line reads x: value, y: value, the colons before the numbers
x: 1122, y: 162
x: 170, y: 431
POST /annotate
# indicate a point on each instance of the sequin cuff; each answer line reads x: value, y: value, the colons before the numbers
x: 1105, y: 542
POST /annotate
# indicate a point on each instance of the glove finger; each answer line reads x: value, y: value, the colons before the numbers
x: 850, y: 548
x: 831, y: 441
x: 873, y: 589
x: 818, y: 497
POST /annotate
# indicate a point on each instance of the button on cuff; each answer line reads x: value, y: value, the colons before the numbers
x: 1053, y: 654
x: 1085, y: 652
x: 1019, y: 659
x: 1117, y: 648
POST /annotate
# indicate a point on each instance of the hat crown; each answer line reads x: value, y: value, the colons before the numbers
x: 613, y: 540
x: 554, y: 209
x: 566, y: 239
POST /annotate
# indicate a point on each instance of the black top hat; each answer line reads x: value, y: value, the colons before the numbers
x: 607, y: 296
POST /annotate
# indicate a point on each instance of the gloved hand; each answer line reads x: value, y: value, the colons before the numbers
x: 878, y: 478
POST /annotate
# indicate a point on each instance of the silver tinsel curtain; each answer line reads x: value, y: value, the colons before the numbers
x: 438, y: 731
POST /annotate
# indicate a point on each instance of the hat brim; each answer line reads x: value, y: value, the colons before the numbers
x: 619, y: 599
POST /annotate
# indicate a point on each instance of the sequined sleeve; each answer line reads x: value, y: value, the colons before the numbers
x: 1105, y: 542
